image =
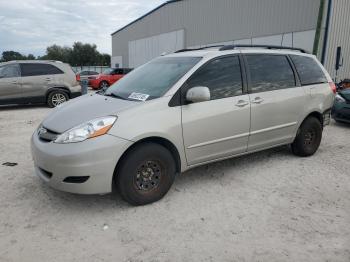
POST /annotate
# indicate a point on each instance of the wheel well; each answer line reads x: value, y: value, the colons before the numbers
x: 317, y: 115
x: 157, y: 140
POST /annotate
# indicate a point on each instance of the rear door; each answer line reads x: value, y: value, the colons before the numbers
x: 37, y: 78
x: 277, y: 100
x: 220, y: 127
x: 314, y: 81
x: 117, y: 74
x: 10, y: 86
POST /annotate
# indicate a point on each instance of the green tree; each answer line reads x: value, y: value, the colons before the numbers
x: 58, y: 53
x: 12, y: 55
x: 30, y: 57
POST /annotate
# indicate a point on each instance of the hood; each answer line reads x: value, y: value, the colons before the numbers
x: 346, y: 94
x: 83, y: 109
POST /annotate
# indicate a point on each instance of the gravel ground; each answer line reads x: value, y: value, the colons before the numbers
x: 268, y: 206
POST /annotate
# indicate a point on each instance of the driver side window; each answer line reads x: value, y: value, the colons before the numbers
x: 9, y: 71
x: 222, y: 76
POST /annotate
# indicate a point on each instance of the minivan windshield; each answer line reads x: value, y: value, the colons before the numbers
x: 153, y: 79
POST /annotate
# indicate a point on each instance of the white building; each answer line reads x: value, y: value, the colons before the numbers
x: 319, y: 26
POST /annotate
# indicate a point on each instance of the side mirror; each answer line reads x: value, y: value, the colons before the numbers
x: 198, y: 94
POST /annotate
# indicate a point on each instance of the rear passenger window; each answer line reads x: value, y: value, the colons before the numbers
x: 222, y: 76
x: 9, y: 71
x: 270, y: 72
x: 36, y: 69
x: 308, y: 70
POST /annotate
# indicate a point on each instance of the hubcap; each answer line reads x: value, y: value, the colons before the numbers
x: 104, y: 85
x: 58, y: 99
x: 148, y: 176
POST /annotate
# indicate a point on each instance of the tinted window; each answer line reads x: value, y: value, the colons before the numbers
x: 36, y: 69
x: 9, y: 71
x: 222, y: 76
x: 118, y: 71
x: 153, y: 79
x: 270, y: 72
x: 308, y: 70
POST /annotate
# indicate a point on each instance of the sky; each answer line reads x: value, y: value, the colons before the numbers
x: 29, y: 26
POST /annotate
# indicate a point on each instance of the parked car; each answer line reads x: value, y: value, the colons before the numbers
x: 85, y: 74
x: 181, y: 111
x: 341, y: 107
x: 108, y: 77
x: 37, y: 82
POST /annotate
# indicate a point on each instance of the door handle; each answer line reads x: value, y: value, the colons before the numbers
x: 242, y: 103
x: 48, y: 79
x: 258, y: 100
x: 14, y: 82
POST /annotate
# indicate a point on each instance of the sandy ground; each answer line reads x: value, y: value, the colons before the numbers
x: 269, y: 206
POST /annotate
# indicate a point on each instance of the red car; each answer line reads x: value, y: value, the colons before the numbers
x: 107, y: 78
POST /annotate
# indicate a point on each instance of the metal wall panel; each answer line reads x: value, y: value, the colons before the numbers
x: 339, y: 35
x: 145, y: 49
x: 212, y: 21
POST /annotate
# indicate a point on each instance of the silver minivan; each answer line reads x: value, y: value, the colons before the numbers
x: 37, y: 82
x: 180, y: 111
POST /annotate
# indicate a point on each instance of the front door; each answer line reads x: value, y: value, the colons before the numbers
x: 220, y: 127
x: 276, y: 100
x: 10, y: 86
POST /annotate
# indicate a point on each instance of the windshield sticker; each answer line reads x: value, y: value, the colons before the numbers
x: 138, y: 96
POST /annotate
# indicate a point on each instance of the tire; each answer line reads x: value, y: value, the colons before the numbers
x: 308, y: 138
x: 145, y: 174
x: 56, y: 98
x: 103, y: 84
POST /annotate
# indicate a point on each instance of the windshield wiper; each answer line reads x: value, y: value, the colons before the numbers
x: 116, y: 96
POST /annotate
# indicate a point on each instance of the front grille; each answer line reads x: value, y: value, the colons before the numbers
x: 47, y: 135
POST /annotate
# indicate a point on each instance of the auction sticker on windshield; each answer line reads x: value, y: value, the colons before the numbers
x: 138, y: 96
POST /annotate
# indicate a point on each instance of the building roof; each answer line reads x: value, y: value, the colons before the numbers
x: 150, y: 12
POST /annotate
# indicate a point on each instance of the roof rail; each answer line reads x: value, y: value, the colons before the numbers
x: 231, y: 47
x: 198, y: 49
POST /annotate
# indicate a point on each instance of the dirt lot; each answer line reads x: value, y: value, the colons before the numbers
x: 269, y: 206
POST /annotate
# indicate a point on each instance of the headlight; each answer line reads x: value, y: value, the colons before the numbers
x: 339, y: 98
x: 94, y: 128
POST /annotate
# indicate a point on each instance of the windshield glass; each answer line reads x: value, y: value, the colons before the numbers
x: 153, y: 79
x: 107, y: 71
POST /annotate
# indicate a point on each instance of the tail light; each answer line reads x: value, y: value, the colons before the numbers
x: 77, y: 77
x: 333, y: 87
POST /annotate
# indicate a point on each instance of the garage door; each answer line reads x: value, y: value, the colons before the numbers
x: 143, y: 50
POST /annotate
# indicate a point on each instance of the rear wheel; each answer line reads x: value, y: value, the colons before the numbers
x: 104, y: 85
x: 56, y: 98
x: 146, y: 174
x: 308, y: 138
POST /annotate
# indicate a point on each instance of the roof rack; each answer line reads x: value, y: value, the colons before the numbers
x: 231, y: 47
x: 198, y: 49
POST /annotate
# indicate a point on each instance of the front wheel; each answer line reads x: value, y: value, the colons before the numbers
x: 103, y: 85
x: 146, y: 174
x: 308, y: 138
x: 56, y: 98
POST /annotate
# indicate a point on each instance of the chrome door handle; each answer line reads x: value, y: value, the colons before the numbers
x: 14, y: 82
x: 258, y: 100
x: 242, y: 103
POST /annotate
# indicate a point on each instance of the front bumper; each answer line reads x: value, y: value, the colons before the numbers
x: 94, y: 159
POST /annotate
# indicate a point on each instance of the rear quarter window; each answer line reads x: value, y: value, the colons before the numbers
x: 309, y: 71
x: 36, y: 69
